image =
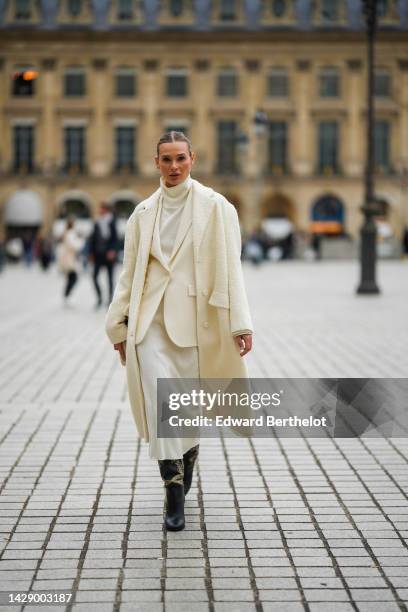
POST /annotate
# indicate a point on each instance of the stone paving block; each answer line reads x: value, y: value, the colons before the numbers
x: 233, y: 595
x: 15, y: 585
x: 372, y: 594
x: 273, y: 582
x: 54, y: 583
x: 274, y: 572
x: 326, y: 595
x: 282, y: 606
x: 368, y: 582
x: 104, y: 596
x: 383, y: 606
x: 141, y: 607
x: 141, y: 583
x: 279, y: 595
x: 101, y: 573
x: 270, y: 562
x: 87, y: 584
x: 186, y: 562
x: 224, y: 606
x: 91, y: 607
x: 334, y: 607
x: 227, y: 572
x: 185, y: 607
x: 186, y: 595
x: 17, y: 565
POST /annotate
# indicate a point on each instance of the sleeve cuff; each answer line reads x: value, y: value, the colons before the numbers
x: 242, y: 332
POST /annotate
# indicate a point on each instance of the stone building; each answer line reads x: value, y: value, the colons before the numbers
x: 271, y: 92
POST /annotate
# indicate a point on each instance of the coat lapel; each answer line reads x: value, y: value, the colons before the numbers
x: 185, y: 223
x: 203, y: 204
x: 156, y: 249
x: 146, y: 223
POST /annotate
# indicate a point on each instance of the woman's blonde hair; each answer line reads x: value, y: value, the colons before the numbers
x: 173, y: 136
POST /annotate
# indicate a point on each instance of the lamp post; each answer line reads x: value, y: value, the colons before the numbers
x: 260, y: 123
x: 368, y: 230
x: 242, y: 145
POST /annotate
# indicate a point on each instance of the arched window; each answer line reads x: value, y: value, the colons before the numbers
x: 74, y: 207
x: 123, y: 208
x: 327, y: 215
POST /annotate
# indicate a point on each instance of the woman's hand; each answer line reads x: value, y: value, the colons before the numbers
x: 120, y: 346
x: 244, y: 343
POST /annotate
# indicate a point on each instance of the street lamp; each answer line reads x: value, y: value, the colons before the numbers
x: 242, y: 141
x: 368, y: 230
x: 260, y: 123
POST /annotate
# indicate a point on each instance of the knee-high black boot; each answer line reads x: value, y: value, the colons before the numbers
x: 172, y: 473
x: 189, y: 459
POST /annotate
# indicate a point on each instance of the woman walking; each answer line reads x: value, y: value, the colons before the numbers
x: 67, y: 257
x: 180, y: 308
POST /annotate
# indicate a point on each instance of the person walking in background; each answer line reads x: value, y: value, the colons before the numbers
x: 2, y: 250
x: 67, y: 257
x: 45, y: 250
x: 103, y: 249
x: 28, y: 250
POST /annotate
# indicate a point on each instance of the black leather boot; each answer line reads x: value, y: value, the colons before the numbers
x: 172, y: 472
x: 189, y: 459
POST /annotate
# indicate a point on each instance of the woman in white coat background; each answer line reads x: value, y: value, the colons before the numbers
x: 180, y: 308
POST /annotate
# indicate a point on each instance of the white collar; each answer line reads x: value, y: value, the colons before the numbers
x: 178, y: 191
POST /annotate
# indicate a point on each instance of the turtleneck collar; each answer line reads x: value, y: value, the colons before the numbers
x: 178, y: 191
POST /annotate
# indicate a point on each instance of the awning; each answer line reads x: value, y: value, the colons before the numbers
x: 326, y: 227
x: 277, y: 228
x: 24, y: 207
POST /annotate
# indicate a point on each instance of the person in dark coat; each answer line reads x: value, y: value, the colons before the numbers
x: 103, y: 249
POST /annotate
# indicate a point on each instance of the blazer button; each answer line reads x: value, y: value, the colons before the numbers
x: 205, y: 324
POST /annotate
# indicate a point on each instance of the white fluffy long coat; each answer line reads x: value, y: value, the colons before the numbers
x: 222, y: 305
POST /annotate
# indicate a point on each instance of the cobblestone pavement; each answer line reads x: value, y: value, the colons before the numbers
x: 272, y: 524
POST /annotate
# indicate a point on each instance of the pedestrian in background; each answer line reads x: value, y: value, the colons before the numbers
x: 45, y: 250
x: 67, y: 257
x: 2, y: 250
x: 28, y: 247
x: 103, y: 249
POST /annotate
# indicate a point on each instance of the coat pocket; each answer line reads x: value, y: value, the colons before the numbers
x: 220, y: 300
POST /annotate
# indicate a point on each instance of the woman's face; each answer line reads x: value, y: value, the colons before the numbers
x: 174, y: 162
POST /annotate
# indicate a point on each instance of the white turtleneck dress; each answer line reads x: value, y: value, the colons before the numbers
x: 158, y: 356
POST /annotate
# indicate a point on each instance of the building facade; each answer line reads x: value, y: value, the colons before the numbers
x: 271, y: 93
